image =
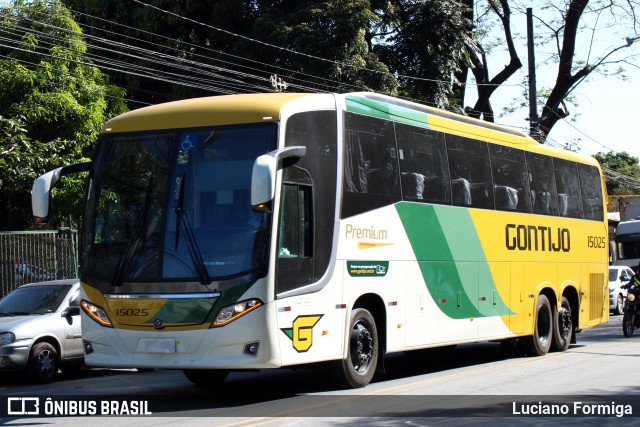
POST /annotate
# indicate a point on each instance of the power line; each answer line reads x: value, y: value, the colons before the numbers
x: 147, y: 72
x: 284, y: 49
x: 273, y: 68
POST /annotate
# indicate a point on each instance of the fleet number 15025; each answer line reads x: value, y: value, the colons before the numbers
x: 596, y: 242
x: 128, y: 312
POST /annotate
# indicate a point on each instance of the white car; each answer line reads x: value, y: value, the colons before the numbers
x: 618, y: 275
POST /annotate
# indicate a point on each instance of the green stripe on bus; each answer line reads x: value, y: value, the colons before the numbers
x: 383, y: 110
x: 453, y: 266
x: 185, y: 311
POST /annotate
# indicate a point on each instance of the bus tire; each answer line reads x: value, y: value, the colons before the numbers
x: 362, y: 354
x: 539, y: 343
x: 562, y: 326
x: 206, y: 376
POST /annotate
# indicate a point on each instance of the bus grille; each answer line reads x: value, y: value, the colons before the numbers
x: 596, y: 295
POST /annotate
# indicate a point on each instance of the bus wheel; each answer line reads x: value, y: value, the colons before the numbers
x: 562, y: 326
x: 206, y: 376
x: 539, y: 343
x: 358, y: 368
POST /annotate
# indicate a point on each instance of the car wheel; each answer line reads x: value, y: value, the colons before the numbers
x: 618, y: 310
x: 43, y: 363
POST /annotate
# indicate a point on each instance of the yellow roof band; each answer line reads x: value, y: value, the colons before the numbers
x: 209, y: 111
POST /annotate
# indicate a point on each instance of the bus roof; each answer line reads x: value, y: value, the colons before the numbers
x: 261, y: 107
x: 208, y: 111
x: 387, y: 107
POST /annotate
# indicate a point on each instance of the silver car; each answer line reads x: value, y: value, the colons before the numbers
x: 40, y: 329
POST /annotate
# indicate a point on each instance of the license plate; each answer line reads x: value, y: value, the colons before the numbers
x: 156, y: 345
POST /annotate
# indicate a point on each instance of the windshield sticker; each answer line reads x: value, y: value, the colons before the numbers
x: 301, y: 332
x: 368, y: 268
x: 187, y: 144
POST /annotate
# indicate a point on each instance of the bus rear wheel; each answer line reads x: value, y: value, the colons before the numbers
x: 562, y: 326
x: 362, y: 358
x: 206, y: 376
x: 539, y: 343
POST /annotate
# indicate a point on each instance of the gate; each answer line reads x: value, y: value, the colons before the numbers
x: 35, y: 256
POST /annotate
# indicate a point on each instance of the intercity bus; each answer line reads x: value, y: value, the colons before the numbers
x: 273, y: 230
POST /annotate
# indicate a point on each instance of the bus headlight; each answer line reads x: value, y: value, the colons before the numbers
x: 231, y: 312
x: 96, y: 312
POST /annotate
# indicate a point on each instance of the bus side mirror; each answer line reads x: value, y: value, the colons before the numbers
x: 263, y: 176
x: 41, y: 189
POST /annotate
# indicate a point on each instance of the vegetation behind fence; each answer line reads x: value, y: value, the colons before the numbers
x: 34, y: 256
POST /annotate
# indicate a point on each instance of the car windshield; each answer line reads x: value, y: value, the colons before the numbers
x: 34, y: 299
x: 613, y: 275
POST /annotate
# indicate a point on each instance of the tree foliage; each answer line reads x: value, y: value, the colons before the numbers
x: 623, y: 163
x: 53, y: 104
x: 568, y: 32
x: 424, y: 43
x: 405, y: 47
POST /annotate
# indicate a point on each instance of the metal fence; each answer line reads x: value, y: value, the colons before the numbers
x: 34, y: 256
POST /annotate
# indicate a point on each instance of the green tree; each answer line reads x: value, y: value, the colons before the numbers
x: 53, y: 103
x: 424, y: 43
x: 333, y: 37
x: 622, y: 172
x: 397, y: 47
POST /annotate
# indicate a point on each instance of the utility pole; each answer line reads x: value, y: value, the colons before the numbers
x: 534, y: 132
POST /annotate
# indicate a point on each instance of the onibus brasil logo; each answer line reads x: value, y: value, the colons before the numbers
x: 301, y: 331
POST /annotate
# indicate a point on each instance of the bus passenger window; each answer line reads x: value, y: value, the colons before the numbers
x: 544, y: 198
x: 471, y: 182
x: 371, y: 170
x: 568, y: 186
x: 591, y: 187
x: 423, y: 164
x: 510, y: 179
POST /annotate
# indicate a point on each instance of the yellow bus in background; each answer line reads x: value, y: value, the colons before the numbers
x: 273, y: 230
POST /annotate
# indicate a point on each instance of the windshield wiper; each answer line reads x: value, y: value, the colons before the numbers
x: 136, y: 240
x: 192, y: 244
x: 134, y: 243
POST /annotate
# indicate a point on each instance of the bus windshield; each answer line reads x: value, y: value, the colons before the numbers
x: 175, y: 205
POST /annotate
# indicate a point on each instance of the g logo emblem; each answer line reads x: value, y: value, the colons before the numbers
x: 301, y: 332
